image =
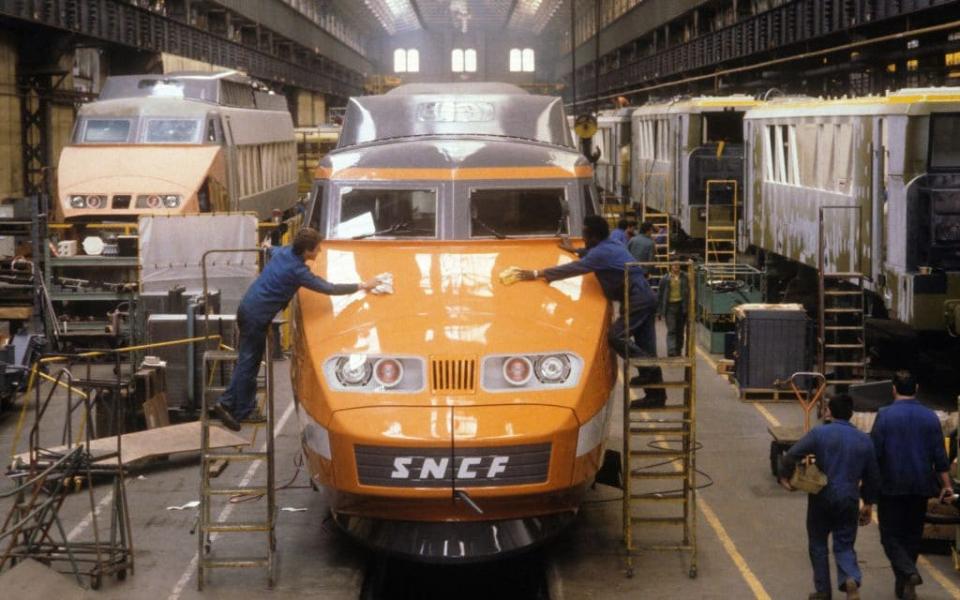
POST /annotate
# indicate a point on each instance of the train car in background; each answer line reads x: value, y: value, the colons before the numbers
x: 313, y: 143
x: 892, y: 163
x: 612, y: 139
x: 179, y: 143
x: 680, y: 145
x: 458, y: 419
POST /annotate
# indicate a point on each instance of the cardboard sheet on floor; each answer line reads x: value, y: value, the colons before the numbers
x: 139, y: 446
x: 31, y: 579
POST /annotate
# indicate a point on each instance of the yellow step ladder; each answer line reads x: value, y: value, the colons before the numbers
x: 720, y: 243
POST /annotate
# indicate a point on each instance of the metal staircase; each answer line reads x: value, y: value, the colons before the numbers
x: 659, y: 445
x: 841, y: 320
x: 720, y: 227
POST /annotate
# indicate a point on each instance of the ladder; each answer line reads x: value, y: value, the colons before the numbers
x: 720, y: 228
x: 841, y: 320
x: 659, y: 444
x: 661, y: 245
x: 216, y: 375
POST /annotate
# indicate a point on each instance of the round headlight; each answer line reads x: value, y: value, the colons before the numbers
x: 388, y: 372
x: 354, y: 370
x: 154, y: 201
x: 554, y: 368
x: 171, y: 201
x: 78, y: 202
x: 95, y: 202
x: 517, y: 370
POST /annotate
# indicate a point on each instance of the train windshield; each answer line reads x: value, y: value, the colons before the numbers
x: 171, y: 131
x: 517, y: 212
x: 945, y: 141
x: 106, y: 131
x: 386, y: 213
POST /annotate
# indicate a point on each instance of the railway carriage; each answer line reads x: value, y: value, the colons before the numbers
x: 177, y: 144
x: 677, y: 147
x: 458, y: 419
x: 886, y: 171
x: 613, y: 165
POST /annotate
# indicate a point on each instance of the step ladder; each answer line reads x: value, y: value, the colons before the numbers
x: 661, y: 245
x: 720, y: 227
x: 216, y: 376
x: 659, y: 446
x: 842, y: 333
x: 841, y: 318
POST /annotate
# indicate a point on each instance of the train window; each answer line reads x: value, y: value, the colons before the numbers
x: 945, y: 141
x: 104, y: 131
x: 387, y: 213
x: 317, y: 207
x: 517, y: 212
x: 171, y: 131
x: 724, y: 127
x: 781, y: 164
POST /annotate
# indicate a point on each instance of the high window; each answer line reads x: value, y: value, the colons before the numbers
x: 463, y: 60
x: 406, y: 60
x: 522, y: 60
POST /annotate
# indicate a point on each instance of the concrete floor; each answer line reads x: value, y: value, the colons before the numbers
x: 751, y: 532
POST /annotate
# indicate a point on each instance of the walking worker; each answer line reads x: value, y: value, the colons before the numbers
x: 621, y: 234
x: 846, y: 456
x: 672, y: 307
x: 607, y: 259
x: 908, y: 440
x: 642, y: 246
x: 285, y: 273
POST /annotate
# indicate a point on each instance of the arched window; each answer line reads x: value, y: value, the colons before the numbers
x: 406, y: 60
x: 399, y: 60
x: 516, y: 60
x: 470, y: 60
x: 456, y: 60
x: 528, y: 60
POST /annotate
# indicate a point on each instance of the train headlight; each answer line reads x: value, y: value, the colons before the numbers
x: 521, y: 372
x: 78, y: 202
x: 371, y: 373
x: 95, y: 201
x: 517, y: 370
x: 171, y: 201
x: 554, y: 368
x: 158, y: 201
x: 354, y: 370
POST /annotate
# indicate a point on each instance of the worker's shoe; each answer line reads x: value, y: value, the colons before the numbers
x: 910, y: 587
x: 221, y: 412
x: 651, y: 400
x: 255, y: 417
x: 852, y: 589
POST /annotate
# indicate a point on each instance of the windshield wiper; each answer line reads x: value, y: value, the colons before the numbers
x: 489, y: 229
x: 392, y: 229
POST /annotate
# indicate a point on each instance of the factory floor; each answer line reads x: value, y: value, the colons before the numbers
x: 751, y: 535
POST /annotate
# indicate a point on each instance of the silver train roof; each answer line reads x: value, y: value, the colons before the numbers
x: 487, y: 109
x: 226, y: 88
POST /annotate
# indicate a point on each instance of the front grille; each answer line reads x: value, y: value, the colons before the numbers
x: 121, y: 201
x: 443, y: 467
x: 453, y: 375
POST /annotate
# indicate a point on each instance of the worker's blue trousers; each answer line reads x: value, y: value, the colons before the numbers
x: 840, y: 520
x: 241, y: 395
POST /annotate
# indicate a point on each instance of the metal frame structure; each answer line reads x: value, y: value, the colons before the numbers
x: 208, y: 528
x: 650, y: 437
x: 720, y: 243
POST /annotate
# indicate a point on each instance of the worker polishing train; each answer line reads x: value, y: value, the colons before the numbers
x: 178, y: 144
x: 462, y: 418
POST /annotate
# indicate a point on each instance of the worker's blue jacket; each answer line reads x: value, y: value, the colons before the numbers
x: 845, y: 455
x: 619, y: 235
x: 909, y: 443
x: 608, y: 260
x: 283, y: 275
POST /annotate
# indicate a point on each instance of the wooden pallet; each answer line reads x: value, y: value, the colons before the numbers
x: 768, y: 395
x: 725, y: 366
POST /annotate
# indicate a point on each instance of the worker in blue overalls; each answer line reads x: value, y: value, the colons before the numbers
x: 607, y: 259
x: 285, y: 273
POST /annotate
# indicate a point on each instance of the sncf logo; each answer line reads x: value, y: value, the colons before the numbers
x: 425, y: 468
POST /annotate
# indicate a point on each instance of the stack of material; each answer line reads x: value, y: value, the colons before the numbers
x: 773, y: 343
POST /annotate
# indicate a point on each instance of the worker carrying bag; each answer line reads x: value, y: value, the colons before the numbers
x: 807, y: 476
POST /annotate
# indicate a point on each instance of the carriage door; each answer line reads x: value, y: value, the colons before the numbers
x: 878, y: 198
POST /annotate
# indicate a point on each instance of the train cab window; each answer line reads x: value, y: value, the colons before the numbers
x: 726, y: 126
x: 390, y: 213
x: 316, y: 212
x: 517, y: 212
x: 171, y: 131
x: 106, y: 131
x: 213, y: 132
x: 945, y: 142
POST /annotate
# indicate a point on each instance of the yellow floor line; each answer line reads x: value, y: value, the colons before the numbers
x: 755, y: 586
x: 775, y: 422
x: 937, y: 574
